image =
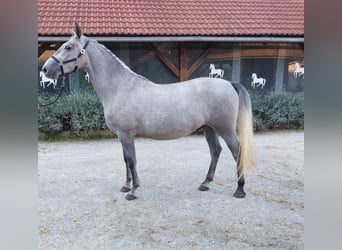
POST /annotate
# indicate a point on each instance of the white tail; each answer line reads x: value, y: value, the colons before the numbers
x: 245, y: 131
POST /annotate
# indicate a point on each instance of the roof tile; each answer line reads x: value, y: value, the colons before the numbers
x: 173, y: 18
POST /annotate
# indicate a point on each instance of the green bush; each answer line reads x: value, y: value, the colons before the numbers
x: 75, y: 113
x: 278, y: 111
x: 84, y: 113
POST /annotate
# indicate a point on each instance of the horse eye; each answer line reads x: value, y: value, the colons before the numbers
x: 67, y: 47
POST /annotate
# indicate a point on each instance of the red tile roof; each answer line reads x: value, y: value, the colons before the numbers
x: 172, y: 17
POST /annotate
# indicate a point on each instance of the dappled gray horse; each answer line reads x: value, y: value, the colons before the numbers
x: 134, y: 106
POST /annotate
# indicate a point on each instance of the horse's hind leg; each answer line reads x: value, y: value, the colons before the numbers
x: 130, y: 160
x: 233, y: 144
x: 215, y: 150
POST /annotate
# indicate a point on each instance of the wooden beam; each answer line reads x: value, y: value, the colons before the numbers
x: 183, y: 65
x: 164, y: 59
x: 201, y: 59
x: 225, y: 55
x: 257, y: 53
x: 42, y: 47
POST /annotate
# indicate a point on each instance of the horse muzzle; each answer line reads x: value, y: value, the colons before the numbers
x: 51, y: 69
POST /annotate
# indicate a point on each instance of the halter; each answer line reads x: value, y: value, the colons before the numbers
x: 61, y: 63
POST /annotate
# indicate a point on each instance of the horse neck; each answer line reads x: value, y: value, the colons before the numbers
x: 108, y: 74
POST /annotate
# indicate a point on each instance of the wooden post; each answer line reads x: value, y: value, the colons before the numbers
x: 279, y: 83
x: 236, y: 62
x: 183, y: 64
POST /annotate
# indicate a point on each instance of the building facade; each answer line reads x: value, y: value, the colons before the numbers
x: 262, y: 47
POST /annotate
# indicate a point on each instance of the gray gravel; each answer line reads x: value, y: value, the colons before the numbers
x: 80, y: 205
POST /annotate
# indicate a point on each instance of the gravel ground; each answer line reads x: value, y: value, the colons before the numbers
x: 80, y: 205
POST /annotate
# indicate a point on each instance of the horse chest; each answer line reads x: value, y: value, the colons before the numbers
x: 119, y: 117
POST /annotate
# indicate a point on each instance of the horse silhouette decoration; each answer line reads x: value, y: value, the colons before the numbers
x: 136, y: 107
x: 86, y: 76
x: 256, y: 82
x: 298, y: 71
x: 215, y: 72
x: 45, y: 80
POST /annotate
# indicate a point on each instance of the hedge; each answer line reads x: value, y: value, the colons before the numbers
x: 83, y: 113
x: 278, y: 111
x: 74, y: 113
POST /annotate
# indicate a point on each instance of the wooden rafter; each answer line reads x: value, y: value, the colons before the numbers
x: 164, y: 59
x: 42, y: 47
x: 183, y: 73
x: 201, y: 59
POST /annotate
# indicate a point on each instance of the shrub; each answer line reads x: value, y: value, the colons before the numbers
x: 84, y: 113
x: 278, y: 111
x: 75, y: 113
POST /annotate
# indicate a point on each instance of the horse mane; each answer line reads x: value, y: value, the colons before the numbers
x: 119, y: 61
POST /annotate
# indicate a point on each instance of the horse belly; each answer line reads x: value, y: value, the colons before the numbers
x: 165, y: 134
x: 170, y: 125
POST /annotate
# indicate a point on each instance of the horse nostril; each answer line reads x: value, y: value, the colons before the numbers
x: 45, y: 70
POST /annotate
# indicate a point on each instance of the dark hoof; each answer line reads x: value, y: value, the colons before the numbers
x: 239, y: 194
x: 130, y: 197
x: 125, y: 189
x: 203, y: 188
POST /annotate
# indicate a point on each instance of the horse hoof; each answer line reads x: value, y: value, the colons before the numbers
x: 125, y: 189
x: 239, y: 194
x: 130, y: 197
x: 203, y: 188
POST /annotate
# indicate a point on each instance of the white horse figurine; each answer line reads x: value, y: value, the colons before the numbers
x: 258, y: 81
x: 86, y: 76
x: 298, y: 70
x: 217, y: 72
x: 47, y: 80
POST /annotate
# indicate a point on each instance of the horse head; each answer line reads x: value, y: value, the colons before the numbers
x: 254, y: 75
x: 68, y: 58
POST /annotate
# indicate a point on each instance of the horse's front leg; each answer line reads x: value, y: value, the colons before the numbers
x: 127, y: 186
x: 127, y: 143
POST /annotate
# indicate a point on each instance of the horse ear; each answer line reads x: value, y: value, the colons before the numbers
x: 72, y: 32
x: 78, y: 30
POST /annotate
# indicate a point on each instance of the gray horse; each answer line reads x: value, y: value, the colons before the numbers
x: 134, y: 106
